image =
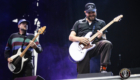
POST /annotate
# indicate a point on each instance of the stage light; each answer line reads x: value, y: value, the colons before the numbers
x: 37, y: 4
x: 15, y: 20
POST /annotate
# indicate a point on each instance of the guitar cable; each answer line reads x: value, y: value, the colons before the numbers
x: 71, y: 60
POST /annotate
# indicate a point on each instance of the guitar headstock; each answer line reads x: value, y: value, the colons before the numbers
x: 41, y: 30
x: 116, y: 19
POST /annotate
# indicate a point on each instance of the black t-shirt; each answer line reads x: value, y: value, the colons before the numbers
x: 82, y: 27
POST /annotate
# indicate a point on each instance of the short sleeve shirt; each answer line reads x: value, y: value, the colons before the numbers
x: 82, y: 27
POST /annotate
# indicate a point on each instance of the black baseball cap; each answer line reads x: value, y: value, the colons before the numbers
x: 23, y: 20
x: 89, y: 7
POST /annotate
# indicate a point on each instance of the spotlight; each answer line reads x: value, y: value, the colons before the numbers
x: 15, y: 20
x: 37, y: 4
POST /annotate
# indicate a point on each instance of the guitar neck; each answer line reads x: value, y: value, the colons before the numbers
x: 105, y: 27
x: 22, y: 54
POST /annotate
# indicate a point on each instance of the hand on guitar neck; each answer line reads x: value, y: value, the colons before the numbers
x: 33, y: 44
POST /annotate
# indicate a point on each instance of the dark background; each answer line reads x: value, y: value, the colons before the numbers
x: 59, y: 17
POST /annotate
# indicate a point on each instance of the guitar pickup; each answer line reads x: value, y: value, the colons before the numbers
x: 81, y: 45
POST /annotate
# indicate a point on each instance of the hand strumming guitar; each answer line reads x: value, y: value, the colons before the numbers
x: 9, y: 60
x: 84, y: 40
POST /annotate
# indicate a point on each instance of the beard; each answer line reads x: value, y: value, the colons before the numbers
x: 23, y: 30
x: 91, y: 18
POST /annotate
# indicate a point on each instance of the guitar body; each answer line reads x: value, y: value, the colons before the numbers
x: 78, y: 51
x: 18, y: 62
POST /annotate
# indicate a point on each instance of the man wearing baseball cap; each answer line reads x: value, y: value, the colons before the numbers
x: 103, y: 46
x: 20, y: 40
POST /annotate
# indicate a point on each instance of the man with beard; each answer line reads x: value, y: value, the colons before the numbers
x: 20, y: 40
x: 103, y: 47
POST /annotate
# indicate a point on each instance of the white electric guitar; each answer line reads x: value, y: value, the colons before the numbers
x: 78, y: 50
x: 18, y: 59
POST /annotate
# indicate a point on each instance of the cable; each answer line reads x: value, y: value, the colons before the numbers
x: 71, y: 60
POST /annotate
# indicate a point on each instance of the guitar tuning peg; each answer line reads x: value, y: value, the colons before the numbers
x: 120, y: 20
x: 44, y: 32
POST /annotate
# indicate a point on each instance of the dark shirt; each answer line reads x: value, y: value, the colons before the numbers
x: 82, y: 27
x: 15, y: 42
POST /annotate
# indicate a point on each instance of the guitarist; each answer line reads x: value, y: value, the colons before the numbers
x: 103, y: 47
x: 20, y: 40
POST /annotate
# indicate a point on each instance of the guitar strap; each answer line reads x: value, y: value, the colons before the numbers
x: 93, y: 27
x: 23, y: 42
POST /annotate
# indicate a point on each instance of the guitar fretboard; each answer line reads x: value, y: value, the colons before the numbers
x: 105, y: 27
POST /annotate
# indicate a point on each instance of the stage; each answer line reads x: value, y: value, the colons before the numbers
x: 132, y: 77
x: 59, y: 17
